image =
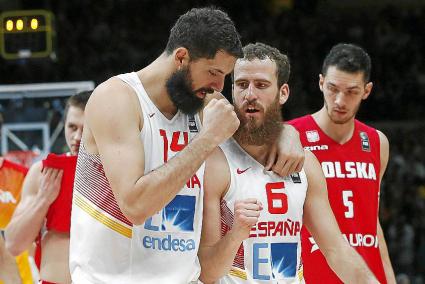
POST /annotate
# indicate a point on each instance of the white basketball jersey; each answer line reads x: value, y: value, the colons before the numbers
x: 105, y: 246
x: 272, y: 252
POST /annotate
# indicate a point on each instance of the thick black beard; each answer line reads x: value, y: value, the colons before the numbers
x: 179, y: 88
x: 268, y: 132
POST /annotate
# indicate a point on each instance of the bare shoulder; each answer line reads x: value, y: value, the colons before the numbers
x: 311, y: 161
x: 113, y: 97
x: 217, y: 172
x: 382, y: 138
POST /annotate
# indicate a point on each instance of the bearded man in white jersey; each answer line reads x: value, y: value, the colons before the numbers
x: 253, y: 218
x: 137, y: 205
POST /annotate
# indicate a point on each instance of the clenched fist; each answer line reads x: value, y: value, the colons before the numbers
x: 246, y: 214
x: 220, y: 121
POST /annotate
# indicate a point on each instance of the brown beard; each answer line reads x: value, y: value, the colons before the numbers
x: 249, y: 133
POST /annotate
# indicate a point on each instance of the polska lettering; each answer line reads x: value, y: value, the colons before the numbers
x: 349, y: 170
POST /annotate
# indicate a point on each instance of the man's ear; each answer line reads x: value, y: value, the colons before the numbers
x: 367, y: 90
x: 283, y: 93
x: 181, y: 57
x: 321, y: 82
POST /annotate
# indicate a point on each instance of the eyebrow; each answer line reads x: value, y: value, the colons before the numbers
x: 348, y: 88
x: 255, y: 80
x: 218, y: 70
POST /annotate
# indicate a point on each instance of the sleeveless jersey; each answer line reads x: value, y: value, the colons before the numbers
x: 352, y: 176
x: 58, y: 216
x: 105, y: 246
x: 11, y: 179
x: 272, y: 252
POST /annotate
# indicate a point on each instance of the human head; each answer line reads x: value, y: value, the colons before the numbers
x: 345, y: 81
x: 74, y: 120
x: 204, y: 45
x: 259, y: 89
x: 204, y: 32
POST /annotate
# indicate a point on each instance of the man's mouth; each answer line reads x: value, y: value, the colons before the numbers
x: 251, y: 109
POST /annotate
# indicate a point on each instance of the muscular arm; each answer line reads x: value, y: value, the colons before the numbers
x: 389, y: 272
x: 113, y: 116
x: 38, y: 192
x: 216, y: 254
x: 341, y: 257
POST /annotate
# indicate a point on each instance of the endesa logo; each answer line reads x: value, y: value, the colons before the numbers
x: 275, y: 261
x: 177, y: 216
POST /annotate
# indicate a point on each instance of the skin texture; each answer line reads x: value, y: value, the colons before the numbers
x: 256, y: 81
x: 40, y: 190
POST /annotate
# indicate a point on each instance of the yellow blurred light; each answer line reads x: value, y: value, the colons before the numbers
x: 34, y: 24
x: 9, y: 25
x: 19, y: 25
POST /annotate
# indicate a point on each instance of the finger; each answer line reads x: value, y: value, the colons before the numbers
x: 251, y: 206
x: 55, y: 173
x: 285, y: 170
x: 59, y: 176
x: 280, y: 168
x: 249, y: 213
x: 271, y: 159
x: 249, y: 200
x: 300, y: 165
x: 292, y: 168
x: 47, y: 173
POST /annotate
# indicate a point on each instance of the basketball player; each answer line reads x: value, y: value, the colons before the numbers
x: 46, y: 205
x: 353, y: 158
x: 137, y: 206
x: 245, y: 204
x: 12, y: 269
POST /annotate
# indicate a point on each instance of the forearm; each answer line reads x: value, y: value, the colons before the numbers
x: 216, y: 261
x: 383, y: 250
x: 25, y: 226
x: 349, y: 266
x: 8, y: 270
x: 157, y: 188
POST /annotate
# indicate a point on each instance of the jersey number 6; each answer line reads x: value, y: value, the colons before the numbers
x: 277, y: 200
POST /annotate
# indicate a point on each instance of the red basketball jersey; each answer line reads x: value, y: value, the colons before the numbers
x: 58, y: 216
x: 352, y: 175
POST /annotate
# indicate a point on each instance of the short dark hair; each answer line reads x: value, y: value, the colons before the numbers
x: 78, y: 100
x: 262, y: 51
x: 349, y: 58
x: 204, y: 32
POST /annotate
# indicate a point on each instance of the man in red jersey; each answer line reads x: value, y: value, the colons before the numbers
x: 46, y: 202
x: 353, y: 158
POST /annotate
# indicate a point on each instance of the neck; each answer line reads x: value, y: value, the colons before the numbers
x: 153, y: 78
x: 340, y: 133
x: 259, y: 153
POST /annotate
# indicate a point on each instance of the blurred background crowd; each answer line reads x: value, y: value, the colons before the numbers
x: 98, y: 39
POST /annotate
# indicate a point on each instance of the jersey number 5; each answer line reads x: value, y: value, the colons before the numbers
x: 277, y: 200
x: 347, y: 200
